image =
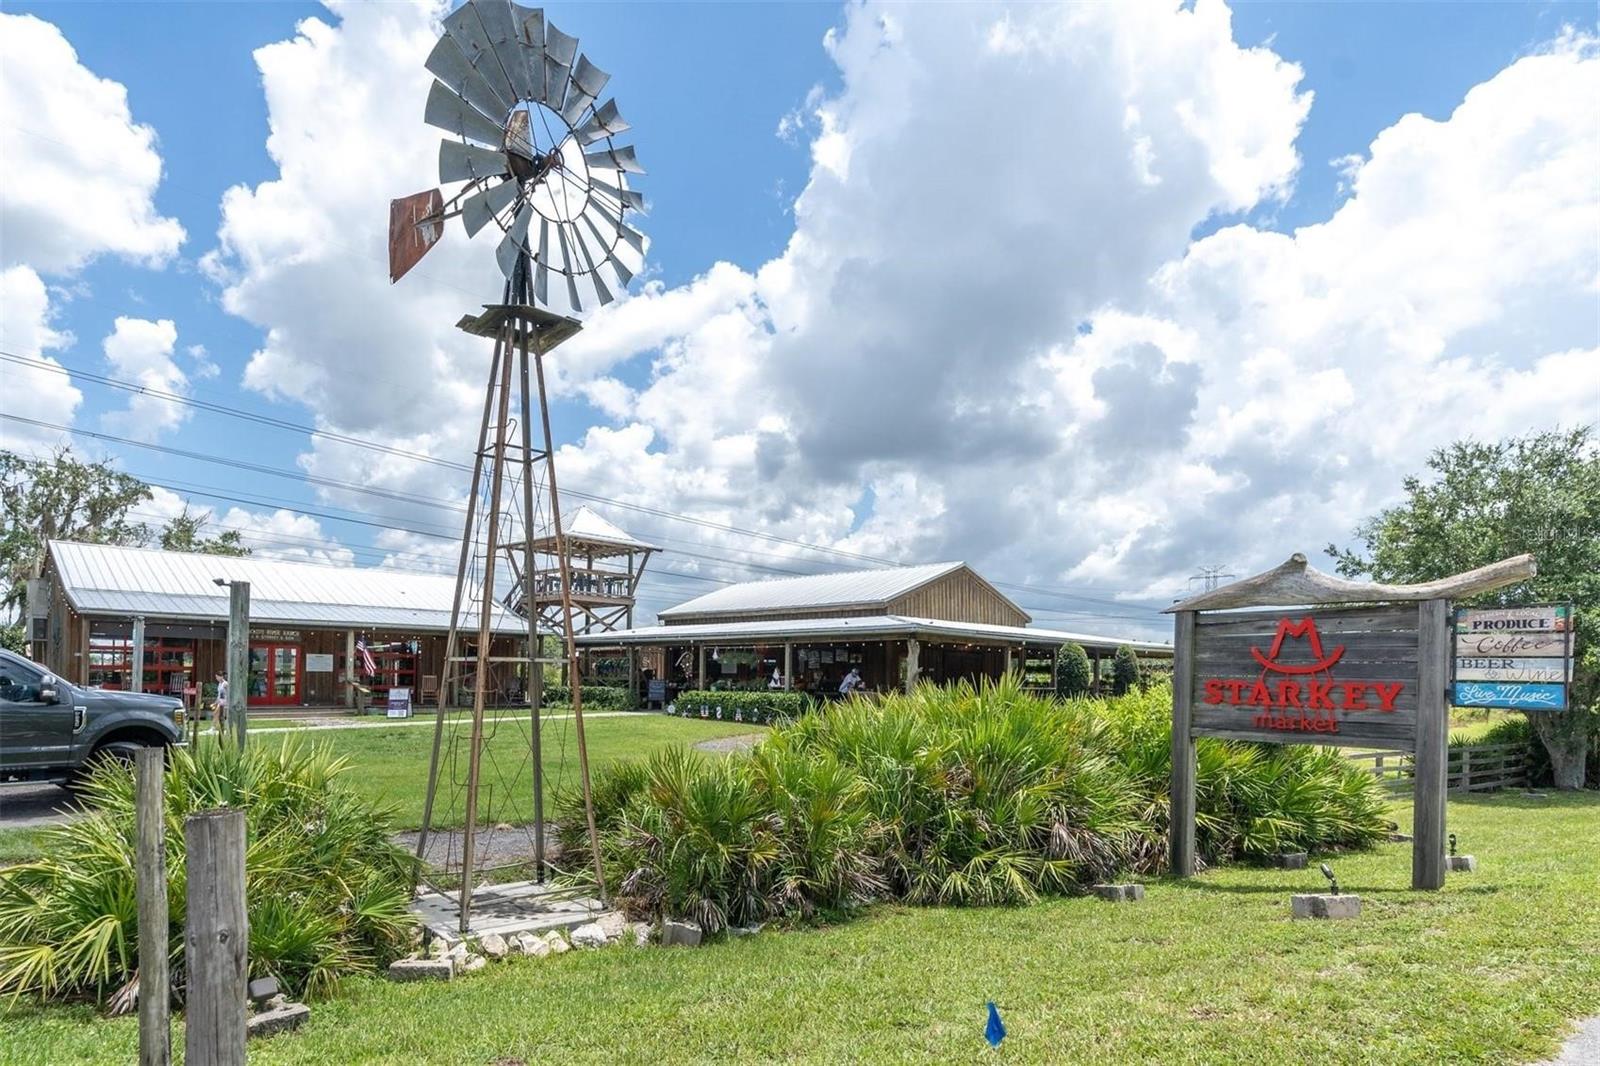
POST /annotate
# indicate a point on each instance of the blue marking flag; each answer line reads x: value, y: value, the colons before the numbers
x: 995, y: 1031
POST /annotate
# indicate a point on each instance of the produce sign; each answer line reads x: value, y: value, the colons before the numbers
x: 1345, y: 676
x: 1518, y: 658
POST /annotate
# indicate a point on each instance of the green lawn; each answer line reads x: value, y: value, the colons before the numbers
x: 18, y: 844
x: 391, y: 764
x: 1487, y: 971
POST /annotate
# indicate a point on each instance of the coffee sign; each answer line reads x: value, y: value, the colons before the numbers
x: 1518, y: 658
x: 1344, y: 676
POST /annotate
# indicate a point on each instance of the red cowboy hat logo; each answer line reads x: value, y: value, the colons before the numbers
x: 1307, y: 628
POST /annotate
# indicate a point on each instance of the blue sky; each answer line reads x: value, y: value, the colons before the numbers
x: 706, y: 87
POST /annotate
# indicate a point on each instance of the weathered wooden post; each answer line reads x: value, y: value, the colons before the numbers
x: 239, y: 657
x: 1180, y: 818
x: 1433, y: 744
x: 136, y: 665
x: 216, y: 939
x: 913, y: 663
x: 150, y: 886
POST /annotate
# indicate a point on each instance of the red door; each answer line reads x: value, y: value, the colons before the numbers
x: 275, y: 675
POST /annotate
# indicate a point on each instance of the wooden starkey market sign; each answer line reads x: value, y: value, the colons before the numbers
x: 1331, y: 662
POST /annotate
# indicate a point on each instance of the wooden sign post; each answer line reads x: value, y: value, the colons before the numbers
x: 1322, y: 671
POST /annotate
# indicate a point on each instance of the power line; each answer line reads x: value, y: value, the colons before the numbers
x: 230, y: 411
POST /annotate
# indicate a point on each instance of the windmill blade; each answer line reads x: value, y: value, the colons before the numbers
x: 451, y: 113
x: 587, y: 81
x: 624, y: 275
x: 633, y: 200
x: 541, y: 269
x: 559, y: 51
x: 619, y: 158
x: 529, y: 24
x: 465, y: 28
x: 447, y: 64
x: 594, y: 276
x: 634, y: 238
x: 519, y: 135
x: 500, y: 27
x: 416, y: 223
x: 567, y: 263
x: 477, y: 210
x: 515, y: 242
x: 605, y: 122
x: 468, y: 162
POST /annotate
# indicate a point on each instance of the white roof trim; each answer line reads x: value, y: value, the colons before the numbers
x: 853, y: 588
x: 885, y: 626
x: 104, y: 579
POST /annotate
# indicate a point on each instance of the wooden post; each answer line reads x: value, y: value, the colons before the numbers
x: 155, y: 995
x: 1433, y: 728
x: 1008, y: 659
x: 350, y: 669
x: 1464, y: 783
x: 216, y: 939
x: 913, y: 665
x: 239, y: 657
x: 788, y: 664
x: 700, y: 668
x: 136, y: 682
x: 1180, y: 818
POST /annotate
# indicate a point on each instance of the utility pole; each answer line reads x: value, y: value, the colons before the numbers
x: 238, y: 655
x: 1210, y: 577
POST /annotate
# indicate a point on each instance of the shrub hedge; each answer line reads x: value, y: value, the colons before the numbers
x: 759, y: 707
x: 595, y: 697
x: 948, y: 796
x: 328, y: 893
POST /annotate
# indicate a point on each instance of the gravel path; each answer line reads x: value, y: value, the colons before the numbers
x: 497, y: 846
x: 742, y: 742
x: 1582, y: 1048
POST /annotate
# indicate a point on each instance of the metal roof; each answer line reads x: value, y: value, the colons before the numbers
x: 856, y: 588
x: 108, y: 579
x: 884, y: 626
x: 587, y: 524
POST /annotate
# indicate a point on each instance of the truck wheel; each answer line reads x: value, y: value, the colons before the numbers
x: 122, y: 751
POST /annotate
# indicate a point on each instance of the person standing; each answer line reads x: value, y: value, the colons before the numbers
x: 852, y: 682
x: 219, y: 710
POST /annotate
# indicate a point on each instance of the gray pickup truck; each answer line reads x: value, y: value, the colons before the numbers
x: 51, y: 730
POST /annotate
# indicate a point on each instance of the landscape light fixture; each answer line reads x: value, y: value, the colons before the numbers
x: 1452, y: 845
x: 221, y: 581
x: 1327, y: 871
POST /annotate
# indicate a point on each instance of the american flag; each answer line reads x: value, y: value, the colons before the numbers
x: 369, y: 665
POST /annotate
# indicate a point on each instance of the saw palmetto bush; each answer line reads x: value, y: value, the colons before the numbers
x: 959, y: 795
x: 327, y: 892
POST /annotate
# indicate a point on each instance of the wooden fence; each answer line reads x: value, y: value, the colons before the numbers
x: 1473, y: 768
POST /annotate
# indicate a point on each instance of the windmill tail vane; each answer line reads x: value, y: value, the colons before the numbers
x: 538, y: 153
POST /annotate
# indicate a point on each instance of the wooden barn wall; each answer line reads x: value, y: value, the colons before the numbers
x: 959, y: 597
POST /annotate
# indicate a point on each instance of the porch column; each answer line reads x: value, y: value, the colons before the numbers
x: 136, y: 682
x: 349, y: 668
x: 700, y: 667
x: 913, y: 651
x: 788, y: 664
x: 1008, y: 659
x: 633, y: 677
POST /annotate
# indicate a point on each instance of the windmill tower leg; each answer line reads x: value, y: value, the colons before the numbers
x: 451, y: 673
x: 534, y: 687
x: 486, y: 610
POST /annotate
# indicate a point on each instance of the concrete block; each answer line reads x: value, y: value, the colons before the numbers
x: 1461, y: 864
x: 422, y: 969
x: 1291, y: 860
x: 262, y: 989
x: 1120, y: 893
x: 278, y: 1020
x: 685, y: 934
x: 1324, y: 905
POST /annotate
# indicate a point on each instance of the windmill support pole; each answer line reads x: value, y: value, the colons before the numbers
x: 574, y: 678
x: 534, y: 690
x: 485, y: 634
x: 451, y: 671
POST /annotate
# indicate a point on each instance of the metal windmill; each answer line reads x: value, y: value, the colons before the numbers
x: 536, y: 152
